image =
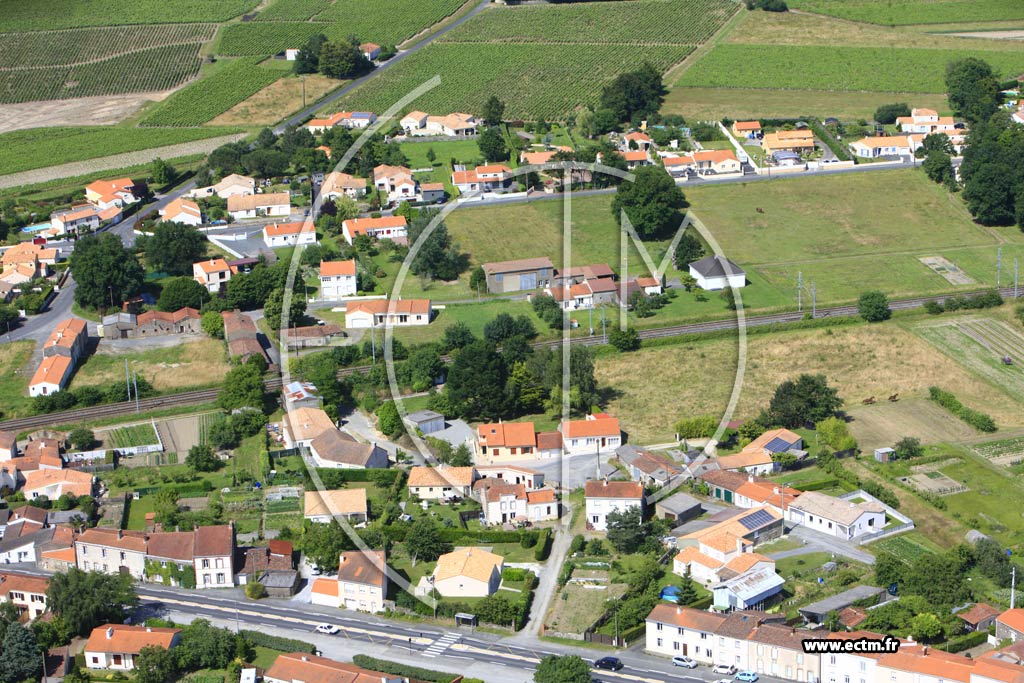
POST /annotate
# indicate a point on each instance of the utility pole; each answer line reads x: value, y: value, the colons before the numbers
x: 604, y: 326
x: 814, y: 301
x: 373, y: 341
x: 1016, y: 272
x: 127, y: 379
x: 999, y: 266
x: 800, y: 291
x: 135, y: 380
x: 303, y: 90
x: 1013, y: 587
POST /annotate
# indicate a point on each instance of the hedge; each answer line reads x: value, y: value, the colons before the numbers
x: 486, y: 535
x: 820, y: 484
x: 965, y: 642
x: 258, y: 638
x: 403, y: 670
x: 333, y: 478
x: 825, y: 136
x: 974, y: 418
x: 543, y: 547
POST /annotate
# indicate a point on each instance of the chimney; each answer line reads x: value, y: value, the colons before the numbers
x: 305, y: 658
x: 120, y: 534
x: 750, y: 478
x: 924, y: 651
x: 775, y: 490
x: 110, y: 632
x: 149, y: 629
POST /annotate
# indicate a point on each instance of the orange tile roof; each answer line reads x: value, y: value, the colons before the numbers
x: 978, y: 613
x: 249, y: 202
x: 693, y: 554
x: 744, y: 459
x: 473, y: 563
x: 638, y: 136
x: 171, y: 317
x: 368, y: 567
x: 360, y: 226
x: 536, y: 158
x: 686, y: 617
x: 745, y: 561
x: 464, y: 177
x: 336, y: 502
x: 507, y: 435
x: 325, y: 586
x: 949, y: 667
x: 307, y: 423
x: 22, y: 584
x: 747, y: 125
x: 68, y: 481
x: 540, y: 496
x: 121, y: 638
x: 440, y: 476
x: 613, y: 489
x: 296, y: 666
x: 53, y: 370
x: 715, y: 156
x: 109, y: 187
x: 337, y: 268
x: 214, y: 265
x: 331, y: 120
x: 179, y: 206
x: 383, y: 306
x: 66, y: 333
x: 638, y: 155
x: 724, y: 542
x: 124, y: 540
x: 1014, y: 618
x: 493, y: 168
x: 287, y: 228
x: 61, y: 554
x: 608, y: 426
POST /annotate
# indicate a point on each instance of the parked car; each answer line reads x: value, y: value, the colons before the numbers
x: 727, y: 669
x: 747, y: 676
x: 723, y: 680
x: 329, y: 629
x: 608, y: 664
x: 684, y: 662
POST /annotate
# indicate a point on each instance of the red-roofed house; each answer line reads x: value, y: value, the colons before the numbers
x: 705, y: 162
x: 361, y: 583
x: 489, y: 178
x: 27, y: 593
x: 338, y: 279
x: 345, y: 119
x: 182, y: 211
x: 51, y: 376
x: 594, y: 434
x: 604, y: 497
x: 377, y: 312
x: 636, y: 158
x: 395, y: 181
x: 212, y: 273
x: 385, y: 227
x: 296, y: 667
x: 507, y: 440
x: 370, y: 50
x: 337, y: 184
x: 288, y: 234
x: 746, y: 129
x: 109, y: 193
x: 1010, y: 624
x: 116, y: 646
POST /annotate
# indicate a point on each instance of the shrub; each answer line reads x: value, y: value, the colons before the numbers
x: 403, y: 670
x: 699, y: 427
x: 874, y: 307
x: 260, y: 639
x: 254, y: 590
x: 513, y: 574
x: 974, y: 418
x: 578, y: 544
x: 543, y: 547
x: 933, y: 307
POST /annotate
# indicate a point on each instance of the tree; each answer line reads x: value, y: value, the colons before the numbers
x: 478, y: 279
x: 925, y: 627
x: 973, y: 89
x: 687, y: 592
x: 990, y: 194
x: 308, y: 59
x: 204, y: 646
x: 461, y: 456
x: 874, y: 306
x: 437, y: 256
x: 87, y: 599
x: 161, y: 172
x: 201, y: 459
x: 687, y: 251
x: 493, y: 111
x: 526, y: 391
x: 624, y: 340
x: 424, y: 542
x: 635, y: 95
x: 492, y: 145
x: 626, y: 530
x: 212, y: 323
x: 503, y: 327
x: 431, y: 155
x: 105, y: 271
x: 938, y: 166
x: 908, y: 447
x: 324, y: 543
x: 265, y: 163
x: 82, y: 438
x: 807, y: 399
x: 888, y: 113
x: 8, y: 314
x: 476, y: 381
x: 835, y: 433
x: 888, y: 569
x: 242, y: 387
x: 155, y: 664
x: 21, y: 655
x: 562, y: 669
x: 254, y: 590
x: 992, y: 562
x: 274, y: 306
x: 182, y: 292
x: 652, y: 202
x: 173, y: 248
x: 266, y: 138
x: 389, y: 421
x: 343, y: 59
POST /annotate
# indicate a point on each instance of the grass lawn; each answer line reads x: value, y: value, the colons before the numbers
x: 186, y: 365
x: 461, y: 151
x: 15, y: 374
x: 656, y: 387
x: 138, y: 510
x: 251, y: 456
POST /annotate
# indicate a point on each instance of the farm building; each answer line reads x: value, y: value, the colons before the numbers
x: 515, y: 276
x: 717, y: 272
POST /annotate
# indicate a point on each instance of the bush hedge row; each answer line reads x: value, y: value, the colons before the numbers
x: 258, y: 638
x: 975, y: 418
x: 403, y: 670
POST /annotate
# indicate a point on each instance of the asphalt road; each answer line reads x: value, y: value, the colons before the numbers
x: 298, y: 118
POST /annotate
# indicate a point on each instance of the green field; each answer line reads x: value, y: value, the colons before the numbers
x: 24, y: 150
x: 135, y: 435
x: 153, y: 69
x: 15, y: 373
x: 533, y: 79
x: 898, y: 12
x: 387, y: 22
x: 30, y: 15
x: 800, y: 67
x: 225, y: 85
x: 634, y: 22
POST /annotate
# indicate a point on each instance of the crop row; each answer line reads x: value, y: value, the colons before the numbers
x: 679, y: 22
x: 32, y: 15
x: 230, y: 83
x: 899, y: 12
x: 995, y: 449
x: 870, y: 69
x: 534, y: 80
x: 23, y: 150
x: 387, y: 22
x: 71, y: 46
x: 159, y: 68
x: 901, y: 547
x: 293, y: 10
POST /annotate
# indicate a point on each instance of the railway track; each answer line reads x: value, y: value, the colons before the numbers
x: 201, y: 396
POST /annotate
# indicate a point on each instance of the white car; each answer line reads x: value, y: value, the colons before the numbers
x: 724, y: 680
x: 727, y: 669
x: 684, y: 662
x: 329, y: 629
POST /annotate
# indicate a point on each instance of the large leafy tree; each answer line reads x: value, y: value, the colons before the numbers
x: 105, y: 271
x: 21, y: 659
x: 492, y: 145
x: 634, y: 95
x: 204, y: 646
x: 424, y: 540
x: 874, y: 306
x: 308, y: 59
x: 626, y: 530
x: 476, y: 381
x: 652, y: 202
x: 343, y: 59
x: 562, y: 669
x: 323, y: 544
x: 437, y: 257
x: 182, y: 292
x: 156, y: 664
x: 242, y: 387
x: 973, y: 89
x: 274, y: 307
x: 87, y: 599
x: 991, y: 194
x: 493, y: 111
x: 688, y: 250
x: 808, y: 398
x: 173, y: 248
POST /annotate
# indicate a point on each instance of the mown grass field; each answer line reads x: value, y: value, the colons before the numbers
x: 897, y: 12
x: 224, y: 85
x: 24, y: 150
x: 193, y: 364
x: 834, y: 67
x: 268, y: 105
x: 658, y: 386
x: 15, y: 373
x: 29, y: 15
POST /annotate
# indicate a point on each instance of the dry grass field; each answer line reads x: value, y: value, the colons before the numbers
x: 15, y: 373
x: 656, y: 387
x: 186, y: 365
x: 284, y: 95
x: 885, y: 423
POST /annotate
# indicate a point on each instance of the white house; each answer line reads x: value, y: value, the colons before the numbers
x: 396, y: 182
x: 51, y: 376
x: 116, y: 646
x: 345, y: 119
x: 258, y: 205
x: 182, y: 211
x: 439, y: 483
x: 717, y: 272
x: 338, y: 279
x: 288, y: 234
x: 489, y: 178
x: 213, y: 273
x: 468, y: 573
x: 704, y: 162
x: 925, y: 121
x: 338, y: 450
x: 503, y: 502
x: 370, y: 50
x: 302, y: 425
x: 385, y: 227
x: 604, y: 497
x: 887, y: 146
x: 453, y: 125
x: 323, y: 506
x: 361, y: 583
x: 598, y: 432
x: 377, y: 312
x: 109, y: 193
x: 835, y: 516
x: 337, y: 184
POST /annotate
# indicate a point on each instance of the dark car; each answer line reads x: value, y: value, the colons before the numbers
x: 608, y: 664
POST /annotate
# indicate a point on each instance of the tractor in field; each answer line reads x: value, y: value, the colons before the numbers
x: 1007, y: 360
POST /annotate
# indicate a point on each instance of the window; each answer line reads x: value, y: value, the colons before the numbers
x: 659, y: 627
x: 832, y: 659
x: 659, y: 642
x: 205, y: 564
x: 220, y: 577
x: 863, y: 666
x: 123, y: 556
x: 675, y: 645
x: 103, y: 552
x: 721, y: 641
x: 206, y: 579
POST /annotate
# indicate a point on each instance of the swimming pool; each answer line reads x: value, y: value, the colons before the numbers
x: 36, y: 228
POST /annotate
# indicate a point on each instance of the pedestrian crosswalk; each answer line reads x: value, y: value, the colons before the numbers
x: 441, y: 644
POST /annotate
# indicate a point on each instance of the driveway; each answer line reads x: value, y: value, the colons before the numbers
x: 832, y: 544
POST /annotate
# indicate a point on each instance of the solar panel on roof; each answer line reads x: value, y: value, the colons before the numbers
x: 756, y: 519
x: 778, y: 445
